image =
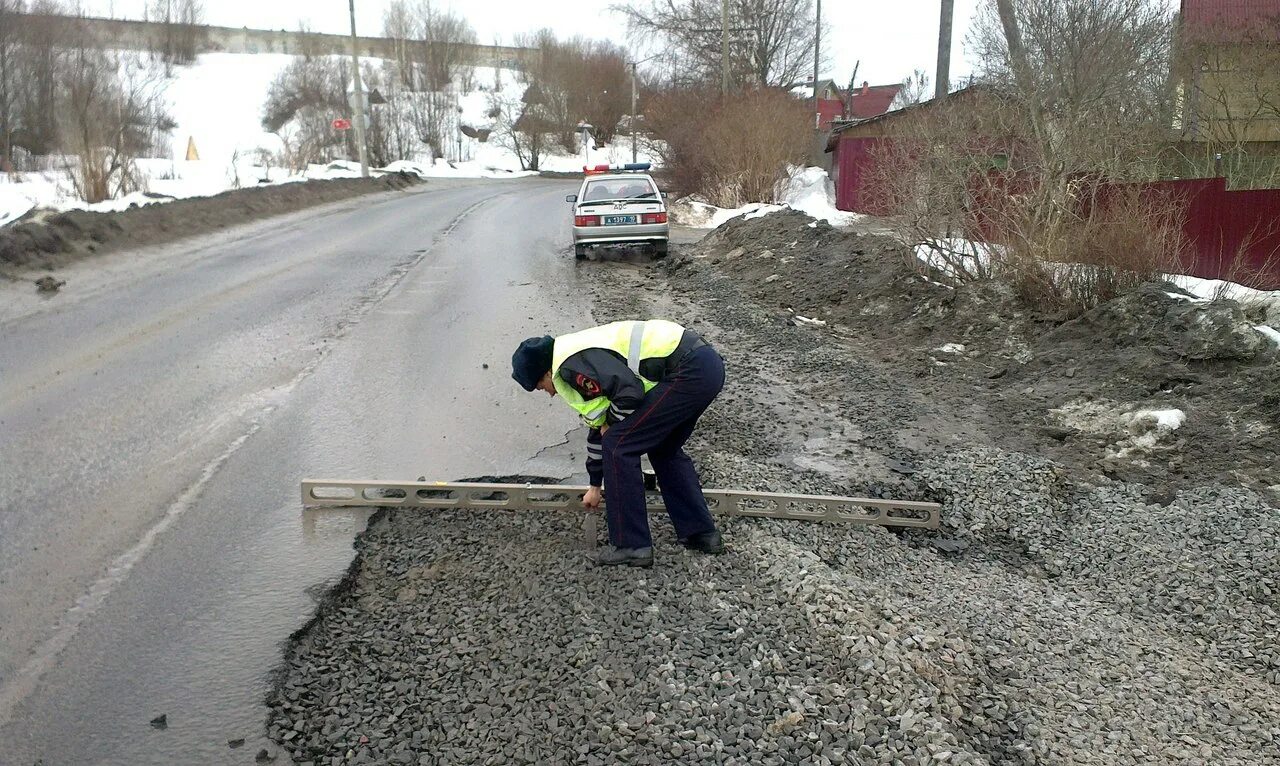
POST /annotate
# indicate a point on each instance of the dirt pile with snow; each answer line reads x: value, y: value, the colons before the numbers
x: 60, y: 238
x: 806, y: 190
x: 976, y: 344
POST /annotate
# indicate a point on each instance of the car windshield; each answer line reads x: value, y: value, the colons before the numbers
x: 611, y: 189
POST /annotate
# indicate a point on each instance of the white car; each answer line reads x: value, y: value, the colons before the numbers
x: 619, y: 205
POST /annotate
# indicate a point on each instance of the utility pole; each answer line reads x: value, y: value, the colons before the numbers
x: 817, y: 55
x: 942, y: 78
x: 724, y: 47
x: 359, y: 116
x: 819, y: 153
x: 633, y: 111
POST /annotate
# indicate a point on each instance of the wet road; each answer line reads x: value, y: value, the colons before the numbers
x: 153, y: 554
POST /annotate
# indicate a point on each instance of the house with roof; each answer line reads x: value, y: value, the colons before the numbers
x: 1226, y: 80
x: 836, y: 104
x: 858, y: 148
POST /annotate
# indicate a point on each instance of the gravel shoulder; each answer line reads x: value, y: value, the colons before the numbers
x: 1071, y: 611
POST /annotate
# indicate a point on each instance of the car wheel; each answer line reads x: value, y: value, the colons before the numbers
x: 660, y: 249
x: 580, y: 252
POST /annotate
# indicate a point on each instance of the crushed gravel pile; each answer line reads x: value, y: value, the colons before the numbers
x: 1057, y: 618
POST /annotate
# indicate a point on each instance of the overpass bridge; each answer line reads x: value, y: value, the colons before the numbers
x: 129, y: 34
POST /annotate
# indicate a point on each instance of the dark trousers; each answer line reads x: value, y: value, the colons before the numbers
x: 659, y: 428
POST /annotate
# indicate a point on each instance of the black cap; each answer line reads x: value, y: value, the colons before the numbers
x: 531, y: 361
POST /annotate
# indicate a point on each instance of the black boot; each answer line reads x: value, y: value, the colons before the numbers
x: 705, y: 542
x: 632, y: 557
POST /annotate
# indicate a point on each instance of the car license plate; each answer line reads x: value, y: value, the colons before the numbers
x: 620, y: 220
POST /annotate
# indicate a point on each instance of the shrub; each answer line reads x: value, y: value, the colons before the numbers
x: 729, y: 151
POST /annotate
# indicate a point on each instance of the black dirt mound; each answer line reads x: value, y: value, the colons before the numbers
x: 61, y: 238
x: 1071, y: 388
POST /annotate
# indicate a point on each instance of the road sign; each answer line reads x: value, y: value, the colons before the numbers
x: 342, y: 124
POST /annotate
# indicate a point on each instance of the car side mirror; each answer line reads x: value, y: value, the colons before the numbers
x: 570, y: 198
x: 665, y: 195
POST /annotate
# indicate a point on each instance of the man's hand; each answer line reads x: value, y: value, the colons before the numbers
x: 604, y: 429
x: 591, y: 500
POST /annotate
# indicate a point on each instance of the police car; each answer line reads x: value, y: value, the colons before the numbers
x: 619, y: 205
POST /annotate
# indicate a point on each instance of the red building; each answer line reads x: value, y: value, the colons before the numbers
x: 1228, y: 14
x: 835, y: 104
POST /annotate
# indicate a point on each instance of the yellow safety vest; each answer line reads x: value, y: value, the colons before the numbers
x: 634, y: 341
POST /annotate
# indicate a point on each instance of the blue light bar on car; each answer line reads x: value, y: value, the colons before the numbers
x: 616, y: 168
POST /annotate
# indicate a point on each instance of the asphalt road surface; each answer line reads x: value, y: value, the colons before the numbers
x: 158, y: 415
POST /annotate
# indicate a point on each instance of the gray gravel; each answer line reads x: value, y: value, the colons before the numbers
x: 1079, y: 624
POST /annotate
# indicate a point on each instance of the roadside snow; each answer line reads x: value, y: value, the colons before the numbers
x: 951, y: 348
x: 1168, y: 420
x: 811, y: 191
x: 692, y: 212
x: 1270, y: 332
x: 958, y: 259
x: 955, y: 257
x: 1213, y: 289
x: 807, y: 190
x: 760, y: 211
x: 1130, y: 431
x: 13, y: 203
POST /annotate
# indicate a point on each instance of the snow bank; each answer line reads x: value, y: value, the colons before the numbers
x: 807, y: 190
x: 1270, y: 332
x: 810, y: 191
x: 955, y: 257
x: 1212, y: 289
x: 14, y: 202
x: 694, y: 213
x: 958, y: 258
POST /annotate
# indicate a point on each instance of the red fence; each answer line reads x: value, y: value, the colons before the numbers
x: 1233, y: 235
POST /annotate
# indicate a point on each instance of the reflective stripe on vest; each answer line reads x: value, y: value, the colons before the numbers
x: 633, y: 347
x: 634, y: 341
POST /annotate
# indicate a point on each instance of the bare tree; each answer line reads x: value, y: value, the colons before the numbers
x: 446, y: 39
x: 577, y: 80
x: 432, y: 45
x: 915, y: 89
x: 306, y: 97
x: 112, y: 112
x: 729, y: 151
x: 9, y: 83
x: 522, y: 127
x: 771, y: 41
x: 38, y: 65
x: 1089, y: 80
x: 180, y: 29
x: 300, y: 107
x: 400, y: 25
x: 1073, y: 103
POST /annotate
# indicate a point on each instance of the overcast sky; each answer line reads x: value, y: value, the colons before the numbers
x: 890, y: 38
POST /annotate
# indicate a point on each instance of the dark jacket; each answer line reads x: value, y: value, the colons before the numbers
x: 595, y: 372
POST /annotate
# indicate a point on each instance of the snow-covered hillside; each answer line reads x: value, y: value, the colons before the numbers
x: 217, y: 105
